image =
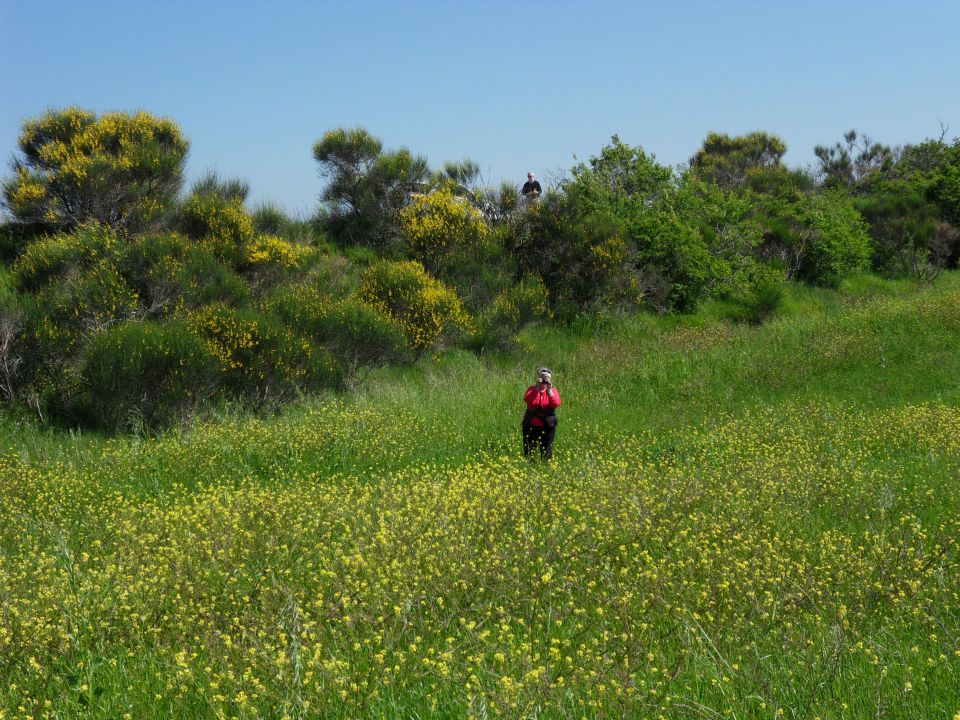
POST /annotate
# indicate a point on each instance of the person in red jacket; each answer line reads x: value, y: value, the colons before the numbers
x: 540, y: 419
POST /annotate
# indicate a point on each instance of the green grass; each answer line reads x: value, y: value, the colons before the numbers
x: 750, y: 522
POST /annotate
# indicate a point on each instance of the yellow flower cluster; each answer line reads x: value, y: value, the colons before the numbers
x: 750, y: 567
x: 440, y: 222
x: 272, y: 250
x: 425, y: 307
x: 72, y: 148
x: 224, y: 226
x: 230, y: 338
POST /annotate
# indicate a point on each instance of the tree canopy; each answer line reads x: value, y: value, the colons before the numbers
x: 122, y: 170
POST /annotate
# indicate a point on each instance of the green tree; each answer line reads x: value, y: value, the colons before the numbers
x: 854, y: 163
x: 728, y: 161
x: 121, y: 170
x: 904, y: 229
x: 366, y: 187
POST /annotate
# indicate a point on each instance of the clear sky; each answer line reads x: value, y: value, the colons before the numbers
x: 513, y: 85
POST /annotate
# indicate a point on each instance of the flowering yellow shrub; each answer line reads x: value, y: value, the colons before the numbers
x: 258, y: 355
x: 440, y: 223
x: 120, y: 169
x: 224, y: 226
x: 64, y: 253
x: 275, y: 251
x: 426, y: 308
x: 76, y: 279
x: 232, y: 338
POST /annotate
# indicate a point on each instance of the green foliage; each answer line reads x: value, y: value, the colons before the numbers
x: 675, y: 254
x: 758, y: 296
x: 357, y: 334
x: 511, y: 309
x: 11, y: 339
x: 903, y: 226
x: 143, y: 373
x: 818, y: 236
x: 51, y: 258
x: 221, y: 224
x: 622, y: 234
x: 171, y: 272
x: 944, y: 188
x: 853, y: 164
x: 729, y: 161
x: 120, y: 170
x: 429, y: 312
x: 270, y: 219
x: 366, y: 187
x: 838, y: 244
x: 260, y: 358
x: 932, y: 169
x: 15, y: 236
x: 230, y: 190
x: 621, y: 178
x: 76, y: 279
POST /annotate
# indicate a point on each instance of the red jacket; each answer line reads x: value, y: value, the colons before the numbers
x: 541, y: 402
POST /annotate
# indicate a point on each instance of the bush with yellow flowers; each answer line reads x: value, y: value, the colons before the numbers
x: 221, y: 224
x: 120, y: 169
x: 428, y: 310
x: 259, y: 357
x: 440, y: 225
x: 75, y: 281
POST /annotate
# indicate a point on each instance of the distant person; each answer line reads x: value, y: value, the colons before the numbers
x: 531, y: 188
x: 540, y: 419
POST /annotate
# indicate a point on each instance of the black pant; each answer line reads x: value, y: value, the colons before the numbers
x: 541, y: 435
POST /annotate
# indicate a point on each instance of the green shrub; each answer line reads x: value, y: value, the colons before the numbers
x: 221, y: 224
x: 270, y: 219
x: 511, y: 310
x: 44, y: 347
x: 14, y: 238
x: 357, y: 334
x: 57, y: 255
x: 429, y: 312
x: 144, y: 372
x: 171, y: 272
x: 11, y: 339
x: 839, y: 244
x: 260, y: 358
x: 759, y: 295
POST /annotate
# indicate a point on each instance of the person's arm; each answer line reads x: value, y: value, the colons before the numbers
x: 530, y: 396
x: 554, y: 398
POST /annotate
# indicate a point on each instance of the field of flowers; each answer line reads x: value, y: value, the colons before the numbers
x: 744, y: 547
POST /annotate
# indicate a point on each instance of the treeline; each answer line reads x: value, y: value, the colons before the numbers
x: 126, y: 301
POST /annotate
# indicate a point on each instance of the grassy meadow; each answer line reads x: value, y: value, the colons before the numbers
x: 739, y: 522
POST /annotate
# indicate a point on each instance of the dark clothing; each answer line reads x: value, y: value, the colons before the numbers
x: 534, y: 436
x: 531, y: 187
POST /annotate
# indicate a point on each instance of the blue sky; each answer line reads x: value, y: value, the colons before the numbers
x: 513, y: 85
